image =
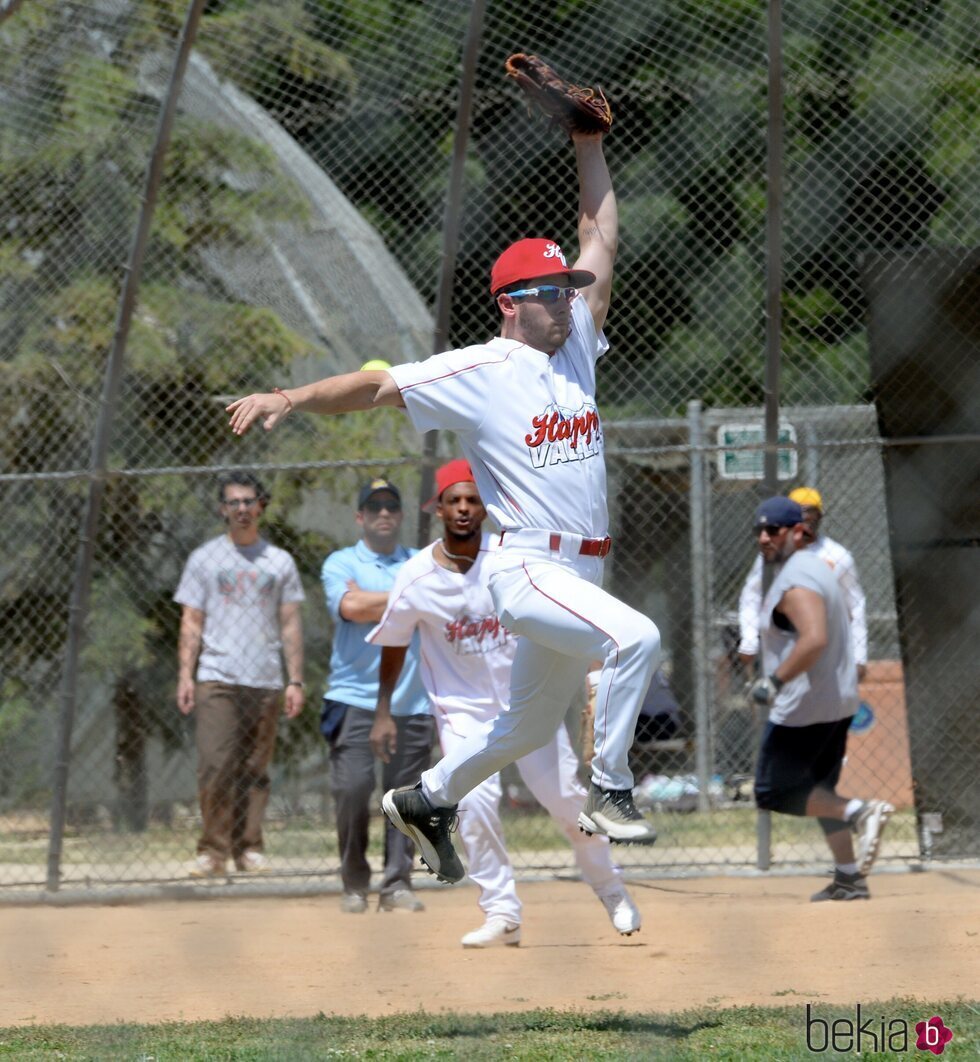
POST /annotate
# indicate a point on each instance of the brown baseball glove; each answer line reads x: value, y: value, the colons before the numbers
x: 574, y: 109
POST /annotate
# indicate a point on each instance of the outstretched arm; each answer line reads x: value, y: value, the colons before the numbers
x: 598, y: 222
x: 347, y: 393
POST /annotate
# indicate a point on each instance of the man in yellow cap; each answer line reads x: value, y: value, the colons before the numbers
x: 841, y: 562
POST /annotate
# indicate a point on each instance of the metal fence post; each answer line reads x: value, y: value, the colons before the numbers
x: 774, y: 289
x: 85, y: 555
x: 450, y: 237
x: 699, y: 597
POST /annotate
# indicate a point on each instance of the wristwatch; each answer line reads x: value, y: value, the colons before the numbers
x: 295, y: 682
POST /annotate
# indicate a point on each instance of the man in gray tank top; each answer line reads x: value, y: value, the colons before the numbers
x: 809, y: 685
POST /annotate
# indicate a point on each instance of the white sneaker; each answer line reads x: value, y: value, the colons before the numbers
x: 494, y: 932
x: 869, y: 824
x: 400, y: 900
x: 612, y: 813
x: 353, y: 903
x: 205, y: 866
x: 623, y: 913
x: 252, y: 862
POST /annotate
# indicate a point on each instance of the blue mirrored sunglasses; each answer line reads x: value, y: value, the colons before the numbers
x: 546, y: 293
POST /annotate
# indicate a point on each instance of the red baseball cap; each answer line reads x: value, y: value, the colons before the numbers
x: 457, y: 471
x: 533, y: 258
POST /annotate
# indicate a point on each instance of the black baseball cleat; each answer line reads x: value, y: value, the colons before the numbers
x: 843, y: 887
x: 612, y: 813
x: 409, y: 811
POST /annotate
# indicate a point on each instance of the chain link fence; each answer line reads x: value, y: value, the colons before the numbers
x: 300, y: 229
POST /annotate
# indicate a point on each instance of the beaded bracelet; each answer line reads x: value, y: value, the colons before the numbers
x: 282, y: 394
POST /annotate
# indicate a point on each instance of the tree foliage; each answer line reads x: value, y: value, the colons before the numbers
x: 881, y: 122
x: 73, y: 151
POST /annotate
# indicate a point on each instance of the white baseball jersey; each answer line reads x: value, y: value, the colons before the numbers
x: 466, y: 653
x: 841, y: 562
x: 527, y: 423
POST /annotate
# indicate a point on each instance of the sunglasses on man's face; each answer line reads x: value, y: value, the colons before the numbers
x: 375, y: 505
x: 545, y: 293
x: 770, y: 529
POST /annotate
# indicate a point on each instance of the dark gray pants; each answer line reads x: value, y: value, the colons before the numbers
x: 352, y: 780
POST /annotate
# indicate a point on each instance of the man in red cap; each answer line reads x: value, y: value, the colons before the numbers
x: 466, y: 657
x: 524, y: 412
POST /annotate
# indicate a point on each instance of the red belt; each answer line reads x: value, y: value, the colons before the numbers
x: 590, y: 547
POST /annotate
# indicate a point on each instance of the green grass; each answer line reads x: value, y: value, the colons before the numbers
x: 749, y: 1033
x: 315, y: 839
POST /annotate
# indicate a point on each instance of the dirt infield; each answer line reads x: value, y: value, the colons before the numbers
x: 720, y: 941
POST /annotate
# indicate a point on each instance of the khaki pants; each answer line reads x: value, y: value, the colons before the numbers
x: 235, y: 735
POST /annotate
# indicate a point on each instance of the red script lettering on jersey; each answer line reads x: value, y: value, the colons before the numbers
x: 465, y: 628
x: 554, y: 427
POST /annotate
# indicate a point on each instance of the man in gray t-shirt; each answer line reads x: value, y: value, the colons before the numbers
x: 240, y: 618
x: 809, y: 685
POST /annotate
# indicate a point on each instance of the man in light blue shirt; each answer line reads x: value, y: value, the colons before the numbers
x: 356, y: 581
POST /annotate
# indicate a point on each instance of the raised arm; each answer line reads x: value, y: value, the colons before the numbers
x: 598, y: 222
x: 346, y: 393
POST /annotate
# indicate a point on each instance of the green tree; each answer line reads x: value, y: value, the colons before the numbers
x: 70, y: 180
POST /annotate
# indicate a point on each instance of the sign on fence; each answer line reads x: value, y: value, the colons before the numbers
x: 736, y: 463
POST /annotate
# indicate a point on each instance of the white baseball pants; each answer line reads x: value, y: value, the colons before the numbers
x: 565, y: 620
x: 550, y: 774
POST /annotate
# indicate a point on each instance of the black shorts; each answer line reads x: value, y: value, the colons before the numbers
x: 794, y: 760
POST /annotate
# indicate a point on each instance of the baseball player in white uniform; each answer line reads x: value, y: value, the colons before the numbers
x: 466, y: 657
x: 840, y: 561
x: 523, y: 408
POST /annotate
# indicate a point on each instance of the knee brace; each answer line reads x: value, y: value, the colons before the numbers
x: 832, y: 826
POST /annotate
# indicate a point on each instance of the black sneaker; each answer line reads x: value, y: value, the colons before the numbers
x: 410, y: 812
x: 612, y: 813
x: 843, y: 887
